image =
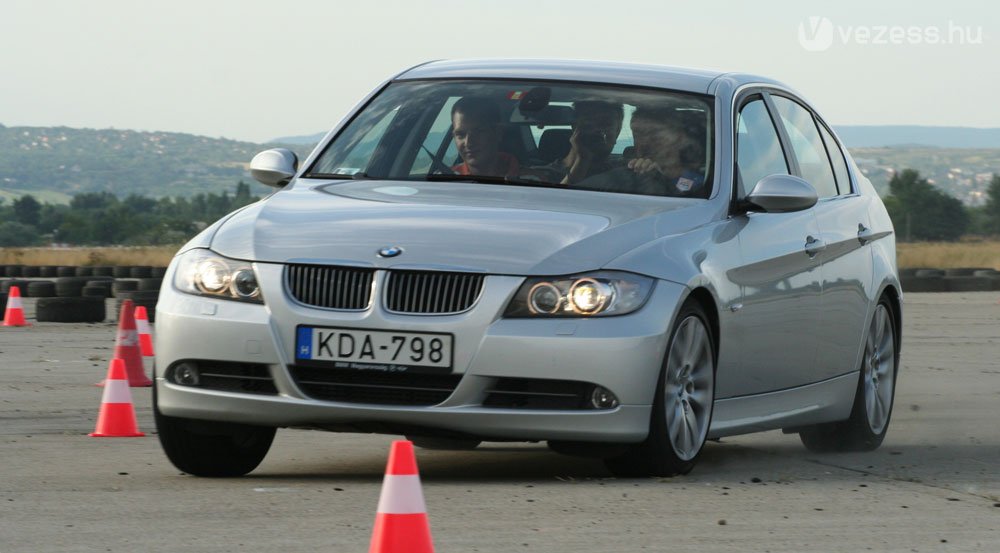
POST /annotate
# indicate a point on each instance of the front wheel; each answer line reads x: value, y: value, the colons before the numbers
x: 212, y: 448
x: 869, y: 420
x: 682, y: 408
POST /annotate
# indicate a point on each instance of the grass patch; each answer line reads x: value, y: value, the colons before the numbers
x: 156, y: 256
x: 949, y: 255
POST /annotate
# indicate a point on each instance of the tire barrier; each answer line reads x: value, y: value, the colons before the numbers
x: 141, y: 272
x: 963, y: 271
x: 70, y: 310
x: 30, y: 272
x: 3, y: 301
x: 120, y: 286
x: 84, y: 271
x: 13, y: 270
x: 21, y: 284
x: 121, y: 271
x: 145, y: 298
x: 65, y: 271
x: 103, y: 271
x: 72, y: 287
x: 95, y: 292
x: 923, y: 284
x: 969, y: 284
x: 41, y: 289
x: 47, y: 271
x: 922, y: 273
x: 158, y: 272
x: 150, y: 283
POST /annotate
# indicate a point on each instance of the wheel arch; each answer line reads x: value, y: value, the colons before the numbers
x: 706, y: 300
x: 891, y: 293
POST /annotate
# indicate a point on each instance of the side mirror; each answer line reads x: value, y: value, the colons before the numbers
x: 274, y: 167
x: 782, y: 194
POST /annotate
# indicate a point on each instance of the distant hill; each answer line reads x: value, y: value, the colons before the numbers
x: 54, y: 163
x: 307, y: 140
x: 915, y: 135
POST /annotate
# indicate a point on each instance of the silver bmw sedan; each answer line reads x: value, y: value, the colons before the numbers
x: 622, y: 260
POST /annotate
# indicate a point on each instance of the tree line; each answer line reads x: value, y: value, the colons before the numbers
x: 101, y: 218
x: 919, y: 212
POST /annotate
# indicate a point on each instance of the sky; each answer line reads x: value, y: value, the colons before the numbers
x: 256, y: 70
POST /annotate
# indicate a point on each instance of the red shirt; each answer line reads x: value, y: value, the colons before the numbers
x: 513, y: 167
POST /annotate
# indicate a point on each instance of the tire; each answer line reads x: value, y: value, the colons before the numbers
x: 682, y: 407
x: 141, y: 272
x: 30, y: 272
x: 929, y: 273
x: 209, y: 448
x: 70, y: 310
x: 47, y: 271
x: 121, y: 271
x: 95, y: 292
x: 158, y: 272
x: 120, y: 286
x: 103, y: 271
x: 41, y: 289
x: 84, y: 271
x: 145, y: 298
x: 65, y: 271
x: 150, y: 284
x: 3, y: 301
x: 22, y: 285
x: 969, y: 284
x: 70, y: 287
x: 868, y: 424
x: 924, y: 284
x: 14, y: 271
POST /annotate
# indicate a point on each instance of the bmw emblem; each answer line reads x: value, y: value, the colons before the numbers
x: 391, y: 251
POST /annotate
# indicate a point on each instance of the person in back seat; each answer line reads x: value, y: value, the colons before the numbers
x: 596, y: 127
x: 477, y: 132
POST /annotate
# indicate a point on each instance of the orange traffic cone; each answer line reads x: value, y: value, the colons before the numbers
x: 127, y: 348
x: 14, y: 315
x: 401, y: 519
x: 145, y: 334
x: 117, y: 417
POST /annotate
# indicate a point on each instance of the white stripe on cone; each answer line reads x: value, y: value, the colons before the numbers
x: 401, y: 495
x: 128, y: 338
x: 143, y: 326
x: 116, y: 391
x: 14, y: 303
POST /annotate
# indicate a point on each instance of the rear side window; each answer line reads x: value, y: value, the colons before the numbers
x: 759, y: 152
x: 837, y: 158
x: 810, y: 152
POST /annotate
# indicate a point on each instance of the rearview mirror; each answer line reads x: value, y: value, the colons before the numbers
x: 274, y: 167
x: 782, y: 194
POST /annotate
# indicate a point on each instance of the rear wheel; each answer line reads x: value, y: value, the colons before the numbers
x: 682, y: 408
x: 869, y: 421
x: 211, y: 448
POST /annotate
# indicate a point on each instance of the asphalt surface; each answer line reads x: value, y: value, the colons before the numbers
x: 933, y: 486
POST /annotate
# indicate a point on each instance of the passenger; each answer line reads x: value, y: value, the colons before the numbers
x: 595, y: 131
x: 477, y: 131
x: 664, y: 162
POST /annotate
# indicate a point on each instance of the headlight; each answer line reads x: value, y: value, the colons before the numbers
x: 601, y: 293
x: 206, y: 273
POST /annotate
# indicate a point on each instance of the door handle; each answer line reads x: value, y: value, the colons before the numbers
x: 814, y: 246
x: 864, y: 234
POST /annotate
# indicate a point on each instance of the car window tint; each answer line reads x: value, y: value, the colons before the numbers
x: 758, y: 146
x: 814, y: 163
x: 439, y: 132
x: 839, y: 165
x: 354, y: 155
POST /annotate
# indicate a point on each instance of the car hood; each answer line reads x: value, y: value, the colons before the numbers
x: 495, y: 229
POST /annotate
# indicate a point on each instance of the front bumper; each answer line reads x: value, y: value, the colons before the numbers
x: 622, y: 354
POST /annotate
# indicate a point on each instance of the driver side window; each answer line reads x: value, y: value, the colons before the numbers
x: 758, y: 147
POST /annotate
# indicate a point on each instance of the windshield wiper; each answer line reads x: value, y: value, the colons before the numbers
x: 489, y: 179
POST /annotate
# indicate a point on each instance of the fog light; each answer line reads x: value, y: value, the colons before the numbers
x: 603, y: 398
x: 186, y: 374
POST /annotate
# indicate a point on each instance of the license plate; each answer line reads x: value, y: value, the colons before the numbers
x: 352, y: 348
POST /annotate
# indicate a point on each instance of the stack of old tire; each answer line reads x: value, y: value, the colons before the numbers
x: 965, y: 279
x: 78, y: 294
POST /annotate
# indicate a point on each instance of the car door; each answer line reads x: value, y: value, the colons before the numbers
x: 778, y: 318
x: 844, y: 223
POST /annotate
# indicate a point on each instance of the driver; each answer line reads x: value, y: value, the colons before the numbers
x: 477, y: 132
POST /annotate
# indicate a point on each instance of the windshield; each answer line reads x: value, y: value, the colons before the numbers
x: 576, y: 136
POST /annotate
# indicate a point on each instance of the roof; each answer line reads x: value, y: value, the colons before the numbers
x: 659, y: 76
